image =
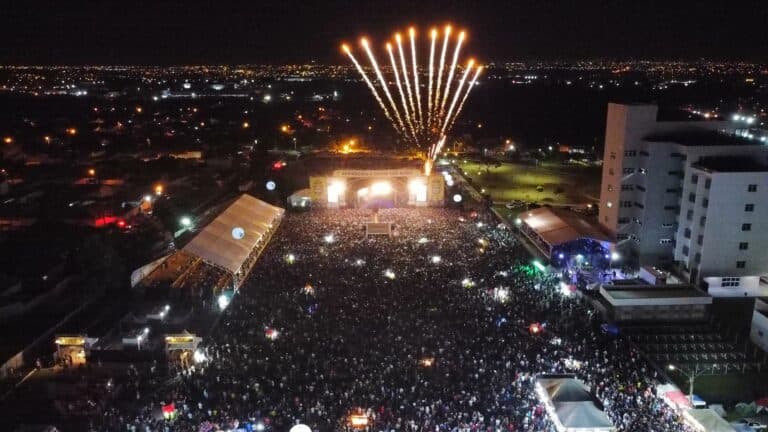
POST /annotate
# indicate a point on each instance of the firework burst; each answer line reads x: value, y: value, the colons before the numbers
x: 421, y: 116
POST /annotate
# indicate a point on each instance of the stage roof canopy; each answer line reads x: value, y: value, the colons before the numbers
x: 558, y: 226
x: 218, y: 242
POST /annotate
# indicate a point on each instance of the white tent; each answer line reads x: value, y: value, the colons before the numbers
x: 218, y: 242
x: 570, y: 405
x: 706, y: 420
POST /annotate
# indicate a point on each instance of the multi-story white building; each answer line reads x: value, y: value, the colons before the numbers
x: 689, y: 195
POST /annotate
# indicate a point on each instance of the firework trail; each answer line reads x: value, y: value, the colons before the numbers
x: 420, y: 125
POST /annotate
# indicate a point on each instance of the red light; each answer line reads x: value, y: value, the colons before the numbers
x: 534, y: 328
x: 121, y: 223
x: 279, y: 164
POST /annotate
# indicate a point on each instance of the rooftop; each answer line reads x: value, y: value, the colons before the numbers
x: 730, y: 164
x: 698, y: 137
x: 640, y: 291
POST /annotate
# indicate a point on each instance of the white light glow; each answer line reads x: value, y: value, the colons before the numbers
x: 389, y: 274
x: 436, y: 259
x: 198, y: 356
x: 381, y: 188
x: 223, y: 302
x: 457, y: 198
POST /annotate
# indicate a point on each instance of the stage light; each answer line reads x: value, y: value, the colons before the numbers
x: 381, y: 188
x: 615, y: 256
x: 419, y: 189
x: 271, y: 185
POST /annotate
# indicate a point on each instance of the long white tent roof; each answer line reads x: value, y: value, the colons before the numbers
x: 217, y: 244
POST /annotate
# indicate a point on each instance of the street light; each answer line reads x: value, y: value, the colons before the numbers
x: 691, y: 375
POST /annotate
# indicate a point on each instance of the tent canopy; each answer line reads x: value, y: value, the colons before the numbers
x: 707, y: 420
x: 558, y: 226
x: 570, y: 402
x: 218, y: 245
x: 581, y: 415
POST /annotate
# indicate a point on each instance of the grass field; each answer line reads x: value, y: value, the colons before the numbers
x: 511, y: 181
x: 727, y: 389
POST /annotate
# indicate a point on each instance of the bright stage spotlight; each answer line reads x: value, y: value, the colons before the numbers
x: 381, y: 188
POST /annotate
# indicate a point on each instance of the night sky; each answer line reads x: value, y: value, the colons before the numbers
x: 257, y: 31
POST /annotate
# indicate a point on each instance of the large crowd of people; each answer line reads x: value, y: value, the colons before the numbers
x: 426, y: 330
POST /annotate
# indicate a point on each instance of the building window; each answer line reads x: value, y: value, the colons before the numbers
x: 623, y: 220
x: 689, y: 215
x: 640, y: 188
x: 692, y: 197
x: 686, y: 250
x: 752, y: 188
x: 610, y: 171
x: 743, y: 246
x: 707, y: 183
x: 697, y: 258
x: 665, y: 241
x: 670, y: 207
x: 694, y: 179
x: 622, y: 236
x: 643, y: 171
x: 746, y: 227
x: 673, y: 190
x: 609, y: 204
x: 644, y: 153
x: 741, y: 264
x: 731, y: 281
x: 637, y: 204
x: 700, y: 239
x: 626, y: 204
x: 610, y: 188
x: 687, y: 233
x: 613, y: 155
x: 667, y: 225
x: 630, y: 153
x: 749, y: 207
x: 705, y: 203
x: 702, y: 221
x: 628, y: 170
x: 627, y: 187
